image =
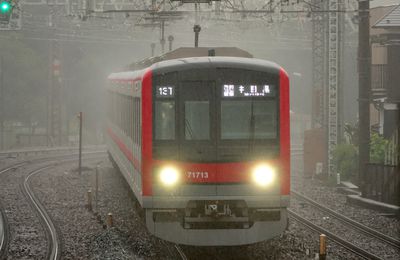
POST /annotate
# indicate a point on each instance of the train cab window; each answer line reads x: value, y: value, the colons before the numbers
x: 165, y: 120
x: 197, y: 120
x: 248, y: 119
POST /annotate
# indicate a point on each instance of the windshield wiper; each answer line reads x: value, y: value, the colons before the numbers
x: 189, y: 129
x: 252, y: 127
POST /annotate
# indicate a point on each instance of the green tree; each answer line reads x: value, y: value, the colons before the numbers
x: 345, y: 157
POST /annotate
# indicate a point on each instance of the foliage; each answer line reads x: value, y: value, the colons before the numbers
x: 378, y: 145
x: 345, y: 157
x: 351, y: 133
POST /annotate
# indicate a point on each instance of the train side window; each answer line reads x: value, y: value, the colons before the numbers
x: 165, y: 120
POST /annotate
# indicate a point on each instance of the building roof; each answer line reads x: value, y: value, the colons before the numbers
x: 390, y: 20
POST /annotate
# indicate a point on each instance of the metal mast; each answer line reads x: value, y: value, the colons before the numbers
x: 318, y: 61
x: 335, y: 23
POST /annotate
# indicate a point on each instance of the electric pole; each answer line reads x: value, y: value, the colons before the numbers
x: 162, y: 40
x: 1, y: 103
x: 364, y: 87
x: 152, y: 46
x: 196, y: 30
x: 80, y: 116
x: 170, y: 40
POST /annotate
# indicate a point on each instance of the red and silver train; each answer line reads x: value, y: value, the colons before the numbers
x: 204, y: 144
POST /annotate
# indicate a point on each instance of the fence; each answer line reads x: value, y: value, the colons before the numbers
x: 379, y: 76
x: 383, y: 183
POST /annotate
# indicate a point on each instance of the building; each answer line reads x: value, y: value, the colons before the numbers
x: 385, y: 69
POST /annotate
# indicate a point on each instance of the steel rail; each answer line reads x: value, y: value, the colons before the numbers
x: 43, y: 150
x: 54, y: 245
x: 360, y: 227
x: 340, y: 241
x: 3, y: 233
x: 180, y: 252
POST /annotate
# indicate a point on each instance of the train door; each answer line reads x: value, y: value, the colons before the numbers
x: 197, y: 121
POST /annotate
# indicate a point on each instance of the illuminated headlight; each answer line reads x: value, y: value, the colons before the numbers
x: 263, y: 175
x: 169, y: 176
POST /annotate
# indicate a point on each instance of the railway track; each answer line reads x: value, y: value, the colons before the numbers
x: 180, y: 252
x: 337, y: 239
x: 53, y: 238
x: 3, y: 233
x: 356, y: 225
x: 3, y: 218
x: 54, y: 244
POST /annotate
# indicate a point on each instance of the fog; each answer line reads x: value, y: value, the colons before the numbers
x: 91, y: 48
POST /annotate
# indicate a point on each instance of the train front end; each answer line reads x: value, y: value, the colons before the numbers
x: 216, y: 160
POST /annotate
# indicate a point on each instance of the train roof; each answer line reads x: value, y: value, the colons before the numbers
x: 190, y: 58
x: 185, y: 52
x: 214, y: 62
x: 198, y: 63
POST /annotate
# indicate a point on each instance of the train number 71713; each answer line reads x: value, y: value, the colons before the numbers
x: 197, y: 175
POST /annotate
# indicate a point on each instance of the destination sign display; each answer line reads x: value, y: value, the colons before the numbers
x: 231, y: 90
x: 165, y: 91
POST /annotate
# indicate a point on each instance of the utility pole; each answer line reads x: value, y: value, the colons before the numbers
x: 80, y: 143
x: 54, y: 92
x: 1, y: 103
x: 55, y: 95
x: 196, y: 29
x: 152, y: 46
x: 364, y: 87
x: 170, y: 40
x: 162, y: 40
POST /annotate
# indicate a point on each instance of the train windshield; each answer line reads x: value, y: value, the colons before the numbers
x: 231, y: 117
x: 248, y: 119
x: 165, y: 118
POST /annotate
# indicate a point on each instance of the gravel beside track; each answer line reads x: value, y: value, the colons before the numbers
x: 329, y: 197
x: 84, y: 234
x: 27, y: 238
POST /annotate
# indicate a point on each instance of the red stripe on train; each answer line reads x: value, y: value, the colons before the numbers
x: 284, y: 132
x: 125, y: 150
x: 147, y: 133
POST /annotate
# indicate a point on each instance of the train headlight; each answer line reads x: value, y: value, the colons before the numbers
x: 169, y: 176
x: 263, y: 175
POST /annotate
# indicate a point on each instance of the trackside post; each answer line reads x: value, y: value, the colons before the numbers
x: 89, y: 200
x: 80, y: 143
x: 110, y: 221
x: 322, y: 247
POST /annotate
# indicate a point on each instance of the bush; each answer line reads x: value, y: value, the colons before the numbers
x: 378, y: 147
x: 345, y: 157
